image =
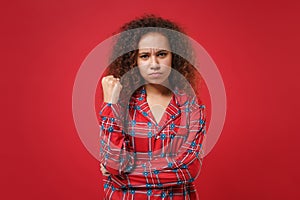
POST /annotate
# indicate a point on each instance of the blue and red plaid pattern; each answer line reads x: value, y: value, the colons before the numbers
x: 152, y: 160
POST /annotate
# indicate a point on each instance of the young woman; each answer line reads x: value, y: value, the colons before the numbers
x: 152, y: 125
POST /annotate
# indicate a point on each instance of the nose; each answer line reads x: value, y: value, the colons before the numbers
x: 154, y: 65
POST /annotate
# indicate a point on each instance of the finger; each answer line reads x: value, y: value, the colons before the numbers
x: 115, y: 83
x: 112, y: 77
x: 102, y: 167
x: 119, y: 84
x: 112, y: 80
x: 108, y: 78
x: 103, y: 171
x: 106, y: 174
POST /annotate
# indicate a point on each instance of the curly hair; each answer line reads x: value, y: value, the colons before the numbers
x: 180, y: 48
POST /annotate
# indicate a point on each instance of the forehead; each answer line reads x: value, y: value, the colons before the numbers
x: 154, y: 40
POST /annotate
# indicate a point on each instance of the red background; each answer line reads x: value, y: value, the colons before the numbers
x: 255, y: 45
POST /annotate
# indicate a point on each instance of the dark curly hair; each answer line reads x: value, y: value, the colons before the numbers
x: 180, y: 48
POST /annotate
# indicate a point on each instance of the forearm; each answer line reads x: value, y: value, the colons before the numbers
x: 115, y: 152
x: 163, y: 177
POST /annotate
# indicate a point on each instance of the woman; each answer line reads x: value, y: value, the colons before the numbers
x: 152, y: 126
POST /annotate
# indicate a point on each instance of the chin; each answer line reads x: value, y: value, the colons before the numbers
x: 155, y: 81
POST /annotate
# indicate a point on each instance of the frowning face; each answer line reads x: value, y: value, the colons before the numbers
x: 154, y: 58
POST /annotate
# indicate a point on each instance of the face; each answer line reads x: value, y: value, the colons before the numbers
x: 154, y: 58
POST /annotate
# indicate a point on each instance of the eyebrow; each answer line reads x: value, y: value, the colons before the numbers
x: 144, y: 51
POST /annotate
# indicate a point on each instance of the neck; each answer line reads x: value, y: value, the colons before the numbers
x: 157, y: 90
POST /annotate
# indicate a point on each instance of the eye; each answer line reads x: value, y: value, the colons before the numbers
x: 162, y: 54
x: 144, y: 56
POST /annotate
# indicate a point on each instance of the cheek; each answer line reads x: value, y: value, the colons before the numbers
x: 169, y: 71
x: 140, y: 63
x: 168, y: 61
x: 142, y: 70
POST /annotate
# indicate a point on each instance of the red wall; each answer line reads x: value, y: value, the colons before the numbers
x: 255, y: 45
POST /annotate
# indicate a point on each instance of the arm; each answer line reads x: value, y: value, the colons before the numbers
x: 183, y: 168
x: 115, y: 147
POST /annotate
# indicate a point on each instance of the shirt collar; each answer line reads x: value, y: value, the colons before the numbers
x: 180, y: 97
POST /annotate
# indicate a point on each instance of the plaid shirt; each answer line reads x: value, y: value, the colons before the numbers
x: 152, y: 160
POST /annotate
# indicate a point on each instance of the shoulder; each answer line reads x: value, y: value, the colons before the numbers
x: 186, y: 99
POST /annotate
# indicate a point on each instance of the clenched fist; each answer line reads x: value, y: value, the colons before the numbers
x: 111, y: 89
x: 103, y: 170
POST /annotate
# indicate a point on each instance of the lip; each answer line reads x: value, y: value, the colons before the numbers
x: 155, y: 74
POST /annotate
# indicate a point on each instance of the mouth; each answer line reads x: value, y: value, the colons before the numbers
x: 155, y: 75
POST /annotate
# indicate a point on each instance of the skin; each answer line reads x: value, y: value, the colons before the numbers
x: 104, y: 171
x: 154, y: 62
x: 154, y: 56
x: 111, y: 89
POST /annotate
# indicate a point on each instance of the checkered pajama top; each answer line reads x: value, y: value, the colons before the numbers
x: 152, y: 160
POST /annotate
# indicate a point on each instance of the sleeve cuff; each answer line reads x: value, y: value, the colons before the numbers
x: 110, y: 110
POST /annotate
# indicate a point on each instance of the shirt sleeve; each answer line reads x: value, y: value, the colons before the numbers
x: 183, y: 168
x: 115, y: 148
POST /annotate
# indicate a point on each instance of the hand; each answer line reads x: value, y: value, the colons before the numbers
x: 111, y: 89
x: 104, y: 171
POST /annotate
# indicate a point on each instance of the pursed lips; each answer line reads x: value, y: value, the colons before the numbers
x: 154, y: 73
